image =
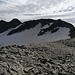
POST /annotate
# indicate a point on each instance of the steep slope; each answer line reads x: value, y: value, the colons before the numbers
x: 36, y: 31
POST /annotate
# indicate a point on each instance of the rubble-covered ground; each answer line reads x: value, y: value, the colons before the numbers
x: 50, y: 58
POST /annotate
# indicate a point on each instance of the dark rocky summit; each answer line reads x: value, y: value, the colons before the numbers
x: 4, y: 26
x: 49, y: 58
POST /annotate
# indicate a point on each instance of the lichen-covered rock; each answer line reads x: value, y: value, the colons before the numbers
x: 50, y: 58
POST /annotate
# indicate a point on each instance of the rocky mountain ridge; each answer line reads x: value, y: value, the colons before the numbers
x: 34, y: 31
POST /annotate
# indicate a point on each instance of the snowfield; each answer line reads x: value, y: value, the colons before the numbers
x: 30, y: 36
x: 37, y: 31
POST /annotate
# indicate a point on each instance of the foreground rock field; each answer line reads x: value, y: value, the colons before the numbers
x: 50, y: 58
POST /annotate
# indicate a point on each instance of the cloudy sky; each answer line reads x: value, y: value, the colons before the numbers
x: 23, y: 9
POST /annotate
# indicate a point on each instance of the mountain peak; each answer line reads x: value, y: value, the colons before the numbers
x: 4, y: 26
x: 15, y: 20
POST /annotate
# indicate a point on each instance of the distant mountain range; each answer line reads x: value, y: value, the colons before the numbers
x: 34, y: 31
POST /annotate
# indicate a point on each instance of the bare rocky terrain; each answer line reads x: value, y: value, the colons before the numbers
x: 49, y: 58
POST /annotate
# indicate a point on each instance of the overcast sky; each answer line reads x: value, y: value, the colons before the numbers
x: 26, y: 8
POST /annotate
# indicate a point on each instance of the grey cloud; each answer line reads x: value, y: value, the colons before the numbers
x: 27, y: 8
x: 30, y: 6
x: 36, y: 5
x: 20, y: 7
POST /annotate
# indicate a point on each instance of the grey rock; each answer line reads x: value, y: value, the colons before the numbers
x: 28, y: 68
x: 49, y: 58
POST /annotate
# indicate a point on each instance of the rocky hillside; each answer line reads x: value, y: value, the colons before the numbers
x: 50, y: 58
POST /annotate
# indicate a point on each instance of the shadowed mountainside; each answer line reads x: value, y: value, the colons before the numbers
x: 4, y: 26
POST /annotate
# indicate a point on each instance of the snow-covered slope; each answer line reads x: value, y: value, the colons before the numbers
x: 36, y: 31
